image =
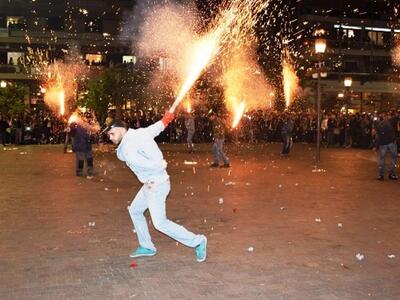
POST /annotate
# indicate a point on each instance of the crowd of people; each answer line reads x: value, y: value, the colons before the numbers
x: 337, y: 129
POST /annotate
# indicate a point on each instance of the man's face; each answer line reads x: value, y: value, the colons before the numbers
x: 116, y: 134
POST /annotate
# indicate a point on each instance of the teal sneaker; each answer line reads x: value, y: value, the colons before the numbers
x: 140, y: 251
x: 201, y: 250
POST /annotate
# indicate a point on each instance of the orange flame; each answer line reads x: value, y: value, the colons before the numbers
x: 59, y: 84
x: 188, y: 106
x: 204, y: 50
x: 238, y: 114
x: 61, y: 96
x: 74, y: 118
x: 233, y: 24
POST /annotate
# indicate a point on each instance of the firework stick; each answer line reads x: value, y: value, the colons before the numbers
x: 174, y: 106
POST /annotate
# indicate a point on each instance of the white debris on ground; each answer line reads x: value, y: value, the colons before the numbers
x: 230, y: 183
x: 360, y: 256
x: 318, y: 171
x: 340, y: 225
x: 318, y: 220
x: 250, y: 249
x: 221, y: 200
x: 92, y: 224
x: 391, y: 256
x: 187, y: 162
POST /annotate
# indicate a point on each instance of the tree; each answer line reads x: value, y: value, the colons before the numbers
x: 98, y: 96
x: 12, y: 99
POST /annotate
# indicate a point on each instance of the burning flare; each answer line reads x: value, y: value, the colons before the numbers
x: 205, y: 49
x: 232, y: 28
x: 74, y: 118
x: 238, y: 114
x: 188, y: 106
x: 290, y: 79
x: 61, y: 96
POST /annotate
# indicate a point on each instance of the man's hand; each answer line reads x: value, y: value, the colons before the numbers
x: 168, y: 117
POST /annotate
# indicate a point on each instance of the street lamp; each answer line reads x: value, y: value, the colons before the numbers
x: 3, y: 84
x: 348, y: 81
x: 320, y: 48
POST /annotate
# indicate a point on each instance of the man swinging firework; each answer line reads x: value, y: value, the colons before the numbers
x: 142, y: 155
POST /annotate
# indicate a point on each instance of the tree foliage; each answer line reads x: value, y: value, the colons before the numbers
x: 12, y: 99
x: 98, y: 96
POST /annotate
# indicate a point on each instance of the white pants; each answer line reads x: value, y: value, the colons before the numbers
x: 152, y: 196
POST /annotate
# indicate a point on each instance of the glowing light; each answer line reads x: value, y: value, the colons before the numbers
x: 236, y: 20
x: 238, y: 114
x: 3, y: 84
x: 348, y: 81
x: 188, y: 106
x: 290, y: 80
x: 320, y: 46
x: 59, y: 84
x: 61, y: 96
x: 204, y: 51
x: 74, y: 118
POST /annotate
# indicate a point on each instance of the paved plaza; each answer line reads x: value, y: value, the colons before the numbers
x: 277, y: 228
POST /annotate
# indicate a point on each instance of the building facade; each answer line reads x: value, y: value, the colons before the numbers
x: 360, y: 37
x: 31, y: 30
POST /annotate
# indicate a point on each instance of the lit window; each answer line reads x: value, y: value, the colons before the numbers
x: 126, y: 59
x: 94, y: 58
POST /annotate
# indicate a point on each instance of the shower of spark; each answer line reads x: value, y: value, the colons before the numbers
x: 290, y: 79
x: 239, y: 111
x: 236, y: 21
x: 242, y: 79
x: 188, y: 106
x: 60, y: 82
x: 54, y: 96
x: 73, y: 118
x: 204, y: 50
x: 90, y: 124
x: 62, y: 102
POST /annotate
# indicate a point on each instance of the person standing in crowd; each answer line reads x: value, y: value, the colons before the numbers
x: 82, y: 145
x: 218, y: 129
x: 286, y: 133
x: 190, y: 130
x: 386, y: 141
x: 18, y: 129
x: 68, y: 138
x: 3, y: 129
x: 47, y: 127
x: 141, y: 153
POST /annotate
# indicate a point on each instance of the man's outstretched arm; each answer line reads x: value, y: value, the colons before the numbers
x: 156, y: 128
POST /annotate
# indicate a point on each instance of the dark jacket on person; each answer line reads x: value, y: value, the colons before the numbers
x: 385, y: 133
x: 82, y: 138
x: 3, y: 125
x: 218, y: 128
x: 287, y: 126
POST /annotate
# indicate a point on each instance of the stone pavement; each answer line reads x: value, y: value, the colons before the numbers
x: 305, y: 227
